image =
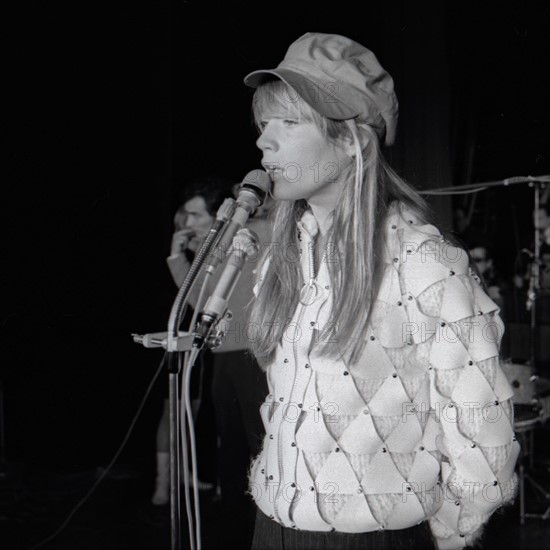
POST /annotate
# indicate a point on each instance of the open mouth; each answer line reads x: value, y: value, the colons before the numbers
x: 274, y: 173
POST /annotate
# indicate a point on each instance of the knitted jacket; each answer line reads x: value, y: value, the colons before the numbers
x: 419, y: 428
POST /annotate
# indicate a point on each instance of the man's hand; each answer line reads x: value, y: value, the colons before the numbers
x: 180, y: 241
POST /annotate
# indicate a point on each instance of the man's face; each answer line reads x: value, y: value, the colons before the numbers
x: 198, y: 218
x: 479, y: 256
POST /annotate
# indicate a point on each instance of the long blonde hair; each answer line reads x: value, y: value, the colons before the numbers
x: 356, y: 236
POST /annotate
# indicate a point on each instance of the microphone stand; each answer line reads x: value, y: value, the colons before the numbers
x: 230, y: 217
x: 177, y: 345
x: 534, y: 278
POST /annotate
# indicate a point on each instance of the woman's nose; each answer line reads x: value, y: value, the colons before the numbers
x: 268, y: 138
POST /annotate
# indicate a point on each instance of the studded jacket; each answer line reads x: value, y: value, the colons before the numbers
x: 420, y: 428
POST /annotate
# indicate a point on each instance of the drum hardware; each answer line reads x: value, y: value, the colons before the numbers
x: 525, y: 430
x: 528, y: 415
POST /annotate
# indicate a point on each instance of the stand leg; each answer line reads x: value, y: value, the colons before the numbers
x: 174, y: 462
x: 527, y: 446
x: 521, y: 494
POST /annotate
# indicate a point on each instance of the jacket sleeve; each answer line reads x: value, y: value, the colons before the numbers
x: 179, y: 266
x: 459, y: 328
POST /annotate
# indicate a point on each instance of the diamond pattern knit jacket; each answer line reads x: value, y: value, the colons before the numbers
x: 420, y: 428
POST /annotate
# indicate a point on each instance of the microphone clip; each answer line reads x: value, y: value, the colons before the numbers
x: 210, y: 333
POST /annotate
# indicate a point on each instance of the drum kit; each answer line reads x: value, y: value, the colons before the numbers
x: 531, y: 410
x: 531, y: 391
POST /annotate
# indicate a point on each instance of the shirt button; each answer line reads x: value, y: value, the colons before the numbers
x: 394, y: 226
x: 395, y: 260
x: 372, y: 338
x: 346, y: 373
x: 400, y: 303
x: 293, y: 444
x: 270, y: 436
x: 285, y: 361
x: 281, y: 398
x: 306, y: 366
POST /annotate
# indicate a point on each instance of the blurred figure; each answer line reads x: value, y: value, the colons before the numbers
x: 462, y: 227
x: 529, y: 268
x: 483, y: 259
x: 192, y: 222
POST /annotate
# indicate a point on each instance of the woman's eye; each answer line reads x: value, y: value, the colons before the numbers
x: 290, y: 122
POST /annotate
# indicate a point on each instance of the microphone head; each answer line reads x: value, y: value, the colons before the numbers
x: 258, y: 182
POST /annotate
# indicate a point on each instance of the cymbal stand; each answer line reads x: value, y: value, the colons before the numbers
x: 534, y: 277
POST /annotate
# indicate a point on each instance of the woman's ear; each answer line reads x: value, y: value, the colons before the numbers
x: 348, y: 145
x: 348, y: 141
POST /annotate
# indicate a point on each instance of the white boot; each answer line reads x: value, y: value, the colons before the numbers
x: 161, y: 495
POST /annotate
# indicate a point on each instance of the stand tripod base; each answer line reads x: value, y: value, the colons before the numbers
x: 525, y: 430
x: 523, y: 478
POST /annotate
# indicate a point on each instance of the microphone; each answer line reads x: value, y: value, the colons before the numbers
x: 252, y: 193
x: 245, y: 243
x: 223, y: 215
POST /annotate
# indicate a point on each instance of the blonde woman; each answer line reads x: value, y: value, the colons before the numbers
x: 389, y: 423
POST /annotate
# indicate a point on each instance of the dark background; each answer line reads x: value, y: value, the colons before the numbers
x: 113, y: 108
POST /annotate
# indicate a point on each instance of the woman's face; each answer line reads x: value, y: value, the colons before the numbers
x: 300, y: 159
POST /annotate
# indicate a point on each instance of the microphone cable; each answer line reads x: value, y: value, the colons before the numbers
x: 187, y: 428
x: 108, y: 468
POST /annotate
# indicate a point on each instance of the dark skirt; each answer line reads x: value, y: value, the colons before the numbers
x: 269, y: 535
